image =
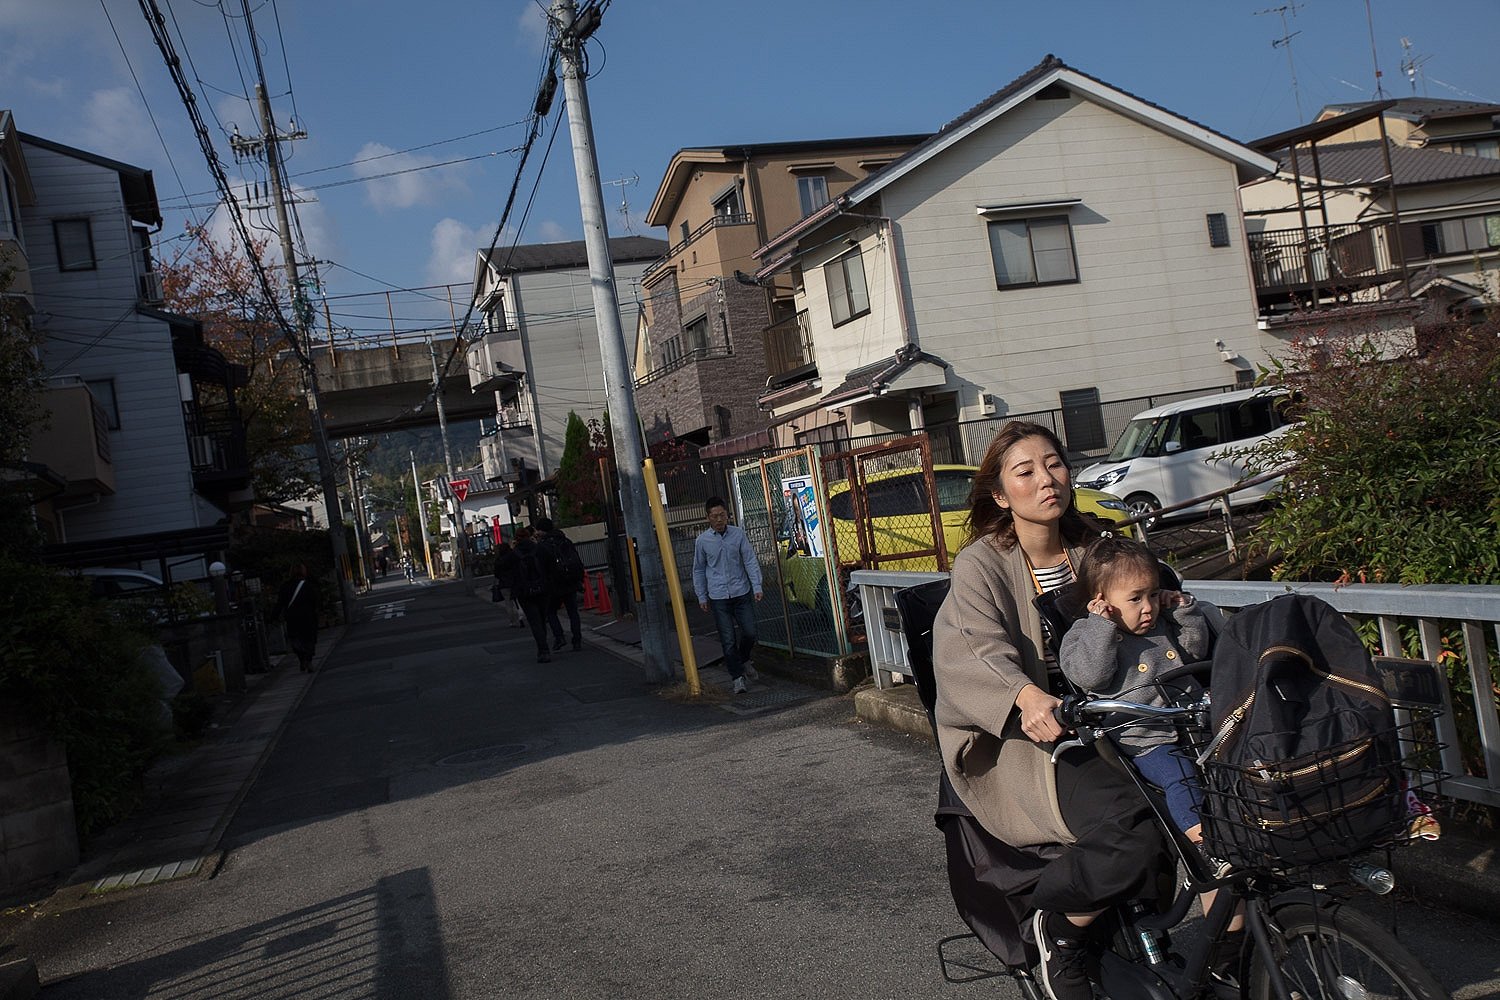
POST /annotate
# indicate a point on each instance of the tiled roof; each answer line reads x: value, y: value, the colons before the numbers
x: 558, y: 256
x: 876, y: 376
x: 1426, y: 108
x: 1362, y: 163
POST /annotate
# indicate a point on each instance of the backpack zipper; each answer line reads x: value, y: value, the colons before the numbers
x: 1272, y: 824
x: 1262, y: 775
x: 1328, y: 675
x: 1234, y: 719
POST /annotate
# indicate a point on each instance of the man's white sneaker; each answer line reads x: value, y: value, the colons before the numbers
x: 739, y: 685
x: 751, y: 674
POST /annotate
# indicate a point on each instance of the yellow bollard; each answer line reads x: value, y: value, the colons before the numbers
x: 674, y: 587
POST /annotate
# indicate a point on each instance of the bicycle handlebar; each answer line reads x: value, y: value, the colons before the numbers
x: 1077, y: 709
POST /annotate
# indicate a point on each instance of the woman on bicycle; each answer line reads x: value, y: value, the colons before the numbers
x: 995, y: 706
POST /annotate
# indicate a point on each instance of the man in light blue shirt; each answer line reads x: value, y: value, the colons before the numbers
x: 725, y: 573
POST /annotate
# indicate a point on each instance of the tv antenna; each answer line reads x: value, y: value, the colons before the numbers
x: 622, y: 183
x: 1285, y: 42
x: 1411, y: 65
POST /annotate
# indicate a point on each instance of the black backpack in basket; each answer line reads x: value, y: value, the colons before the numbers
x: 1303, y: 765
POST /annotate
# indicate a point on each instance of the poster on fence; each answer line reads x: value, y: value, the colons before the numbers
x: 800, y: 527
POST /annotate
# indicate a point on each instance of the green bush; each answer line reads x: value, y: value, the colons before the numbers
x: 75, y: 666
x: 1397, y: 479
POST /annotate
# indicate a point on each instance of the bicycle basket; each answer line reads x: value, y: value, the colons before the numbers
x: 1323, y: 806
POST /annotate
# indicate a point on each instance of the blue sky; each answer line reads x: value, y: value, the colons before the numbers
x: 377, y: 77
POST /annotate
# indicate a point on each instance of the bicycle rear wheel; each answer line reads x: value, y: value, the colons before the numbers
x: 1337, y: 953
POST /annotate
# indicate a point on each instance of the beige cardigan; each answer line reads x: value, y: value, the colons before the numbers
x: 987, y: 645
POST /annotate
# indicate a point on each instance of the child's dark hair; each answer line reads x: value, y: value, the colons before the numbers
x: 1105, y: 559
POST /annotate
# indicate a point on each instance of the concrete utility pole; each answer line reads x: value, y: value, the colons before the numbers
x: 301, y: 312
x: 619, y: 388
x: 416, y: 485
x: 457, y: 518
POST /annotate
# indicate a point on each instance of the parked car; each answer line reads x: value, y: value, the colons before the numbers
x: 1191, y: 448
x: 901, y: 521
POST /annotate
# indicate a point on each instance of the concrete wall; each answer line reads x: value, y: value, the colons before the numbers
x: 38, y: 840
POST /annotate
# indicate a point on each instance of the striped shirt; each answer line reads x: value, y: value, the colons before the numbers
x: 1055, y: 576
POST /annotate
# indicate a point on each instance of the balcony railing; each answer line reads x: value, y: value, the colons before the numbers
x: 1337, y: 258
x: 788, y: 345
x: 741, y: 219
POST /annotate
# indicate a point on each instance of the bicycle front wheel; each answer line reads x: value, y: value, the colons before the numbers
x: 1337, y: 953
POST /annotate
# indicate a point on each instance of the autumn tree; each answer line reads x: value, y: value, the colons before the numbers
x: 218, y: 286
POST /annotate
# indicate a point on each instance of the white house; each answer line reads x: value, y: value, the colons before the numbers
x: 1061, y: 244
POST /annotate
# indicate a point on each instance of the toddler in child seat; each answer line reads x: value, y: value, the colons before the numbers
x: 1135, y: 632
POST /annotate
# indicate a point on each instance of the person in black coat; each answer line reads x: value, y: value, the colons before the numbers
x: 534, y: 588
x: 297, y: 608
x: 565, y: 587
x: 507, y: 566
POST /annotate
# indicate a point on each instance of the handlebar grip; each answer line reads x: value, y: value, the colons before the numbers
x: 1066, y: 712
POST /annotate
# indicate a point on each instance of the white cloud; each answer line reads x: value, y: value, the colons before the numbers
x: 118, y: 126
x: 319, y: 230
x: 531, y: 26
x: 403, y: 190
x: 455, y: 247
x: 552, y: 232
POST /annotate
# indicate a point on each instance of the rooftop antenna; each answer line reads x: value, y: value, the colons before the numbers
x: 1412, y: 66
x: 622, y: 183
x: 1374, y: 59
x: 1285, y: 42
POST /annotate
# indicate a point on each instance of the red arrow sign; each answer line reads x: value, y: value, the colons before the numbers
x: 460, y: 488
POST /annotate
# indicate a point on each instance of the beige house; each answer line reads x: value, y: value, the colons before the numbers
x: 1059, y: 245
x: 711, y: 336
x: 1468, y: 127
x: 1404, y: 229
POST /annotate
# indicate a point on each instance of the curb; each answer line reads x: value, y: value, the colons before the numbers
x: 896, y: 708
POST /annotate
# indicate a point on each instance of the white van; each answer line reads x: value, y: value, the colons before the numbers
x: 1188, y: 449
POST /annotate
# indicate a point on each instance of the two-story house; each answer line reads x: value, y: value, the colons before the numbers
x: 142, y: 437
x: 713, y: 339
x: 539, y: 353
x: 1390, y: 231
x: 1468, y: 127
x: 1060, y: 244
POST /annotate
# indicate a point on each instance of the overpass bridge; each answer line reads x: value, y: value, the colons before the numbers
x: 384, y: 387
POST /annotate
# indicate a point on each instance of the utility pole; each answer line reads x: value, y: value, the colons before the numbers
x: 619, y: 389
x: 301, y: 312
x: 457, y: 518
x: 416, y: 485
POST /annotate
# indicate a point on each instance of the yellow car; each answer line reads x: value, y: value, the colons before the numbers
x: 901, y: 522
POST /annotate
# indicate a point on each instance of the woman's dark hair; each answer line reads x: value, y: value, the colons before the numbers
x: 986, y: 517
x: 1107, y: 558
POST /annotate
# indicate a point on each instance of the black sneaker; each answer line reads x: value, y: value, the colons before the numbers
x: 1063, y: 969
x: 1217, y: 867
x: 544, y: 657
x: 558, y: 643
x: 577, y: 645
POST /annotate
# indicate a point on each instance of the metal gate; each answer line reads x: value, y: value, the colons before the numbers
x: 784, y: 511
x: 885, y: 506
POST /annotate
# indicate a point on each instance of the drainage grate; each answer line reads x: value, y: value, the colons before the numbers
x: 148, y: 876
x: 754, y: 702
x: 480, y: 755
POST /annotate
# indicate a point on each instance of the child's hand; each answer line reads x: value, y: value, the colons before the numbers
x: 1099, y: 606
x: 1175, y: 599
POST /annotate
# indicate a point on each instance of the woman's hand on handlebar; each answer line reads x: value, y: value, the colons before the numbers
x: 1037, y: 719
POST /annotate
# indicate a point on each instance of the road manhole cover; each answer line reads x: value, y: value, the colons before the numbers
x: 481, y: 755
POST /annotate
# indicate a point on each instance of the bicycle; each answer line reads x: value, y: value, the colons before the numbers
x: 1303, y: 941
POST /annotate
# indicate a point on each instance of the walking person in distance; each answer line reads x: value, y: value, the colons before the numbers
x: 297, y: 608
x: 534, y: 587
x: 507, y: 568
x: 725, y: 573
x: 569, y: 581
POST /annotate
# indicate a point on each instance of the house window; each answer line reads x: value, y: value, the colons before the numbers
x: 103, y: 390
x: 75, y: 244
x: 683, y: 228
x: 812, y: 191
x: 1033, y: 252
x: 1218, y: 230
x: 729, y: 205
x: 847, y: 295
x: 1442, y: 237
x: 10, y: 209
x: 671, y: 351
x: 695, y: 336
x: 1083, y: 420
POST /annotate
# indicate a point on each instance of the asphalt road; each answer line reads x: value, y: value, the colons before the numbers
x: 443, y: 817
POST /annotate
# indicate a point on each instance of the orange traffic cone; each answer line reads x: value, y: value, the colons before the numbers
x: 604, y: 608
x: 588, y: 592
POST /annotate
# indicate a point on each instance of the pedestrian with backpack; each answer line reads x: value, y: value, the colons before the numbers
x: 568, y: 582
x: 533, y: 587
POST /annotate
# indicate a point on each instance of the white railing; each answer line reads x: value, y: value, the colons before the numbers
x: 1470, y: 613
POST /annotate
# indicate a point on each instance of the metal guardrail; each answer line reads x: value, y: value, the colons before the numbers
x: 1473, y: 611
